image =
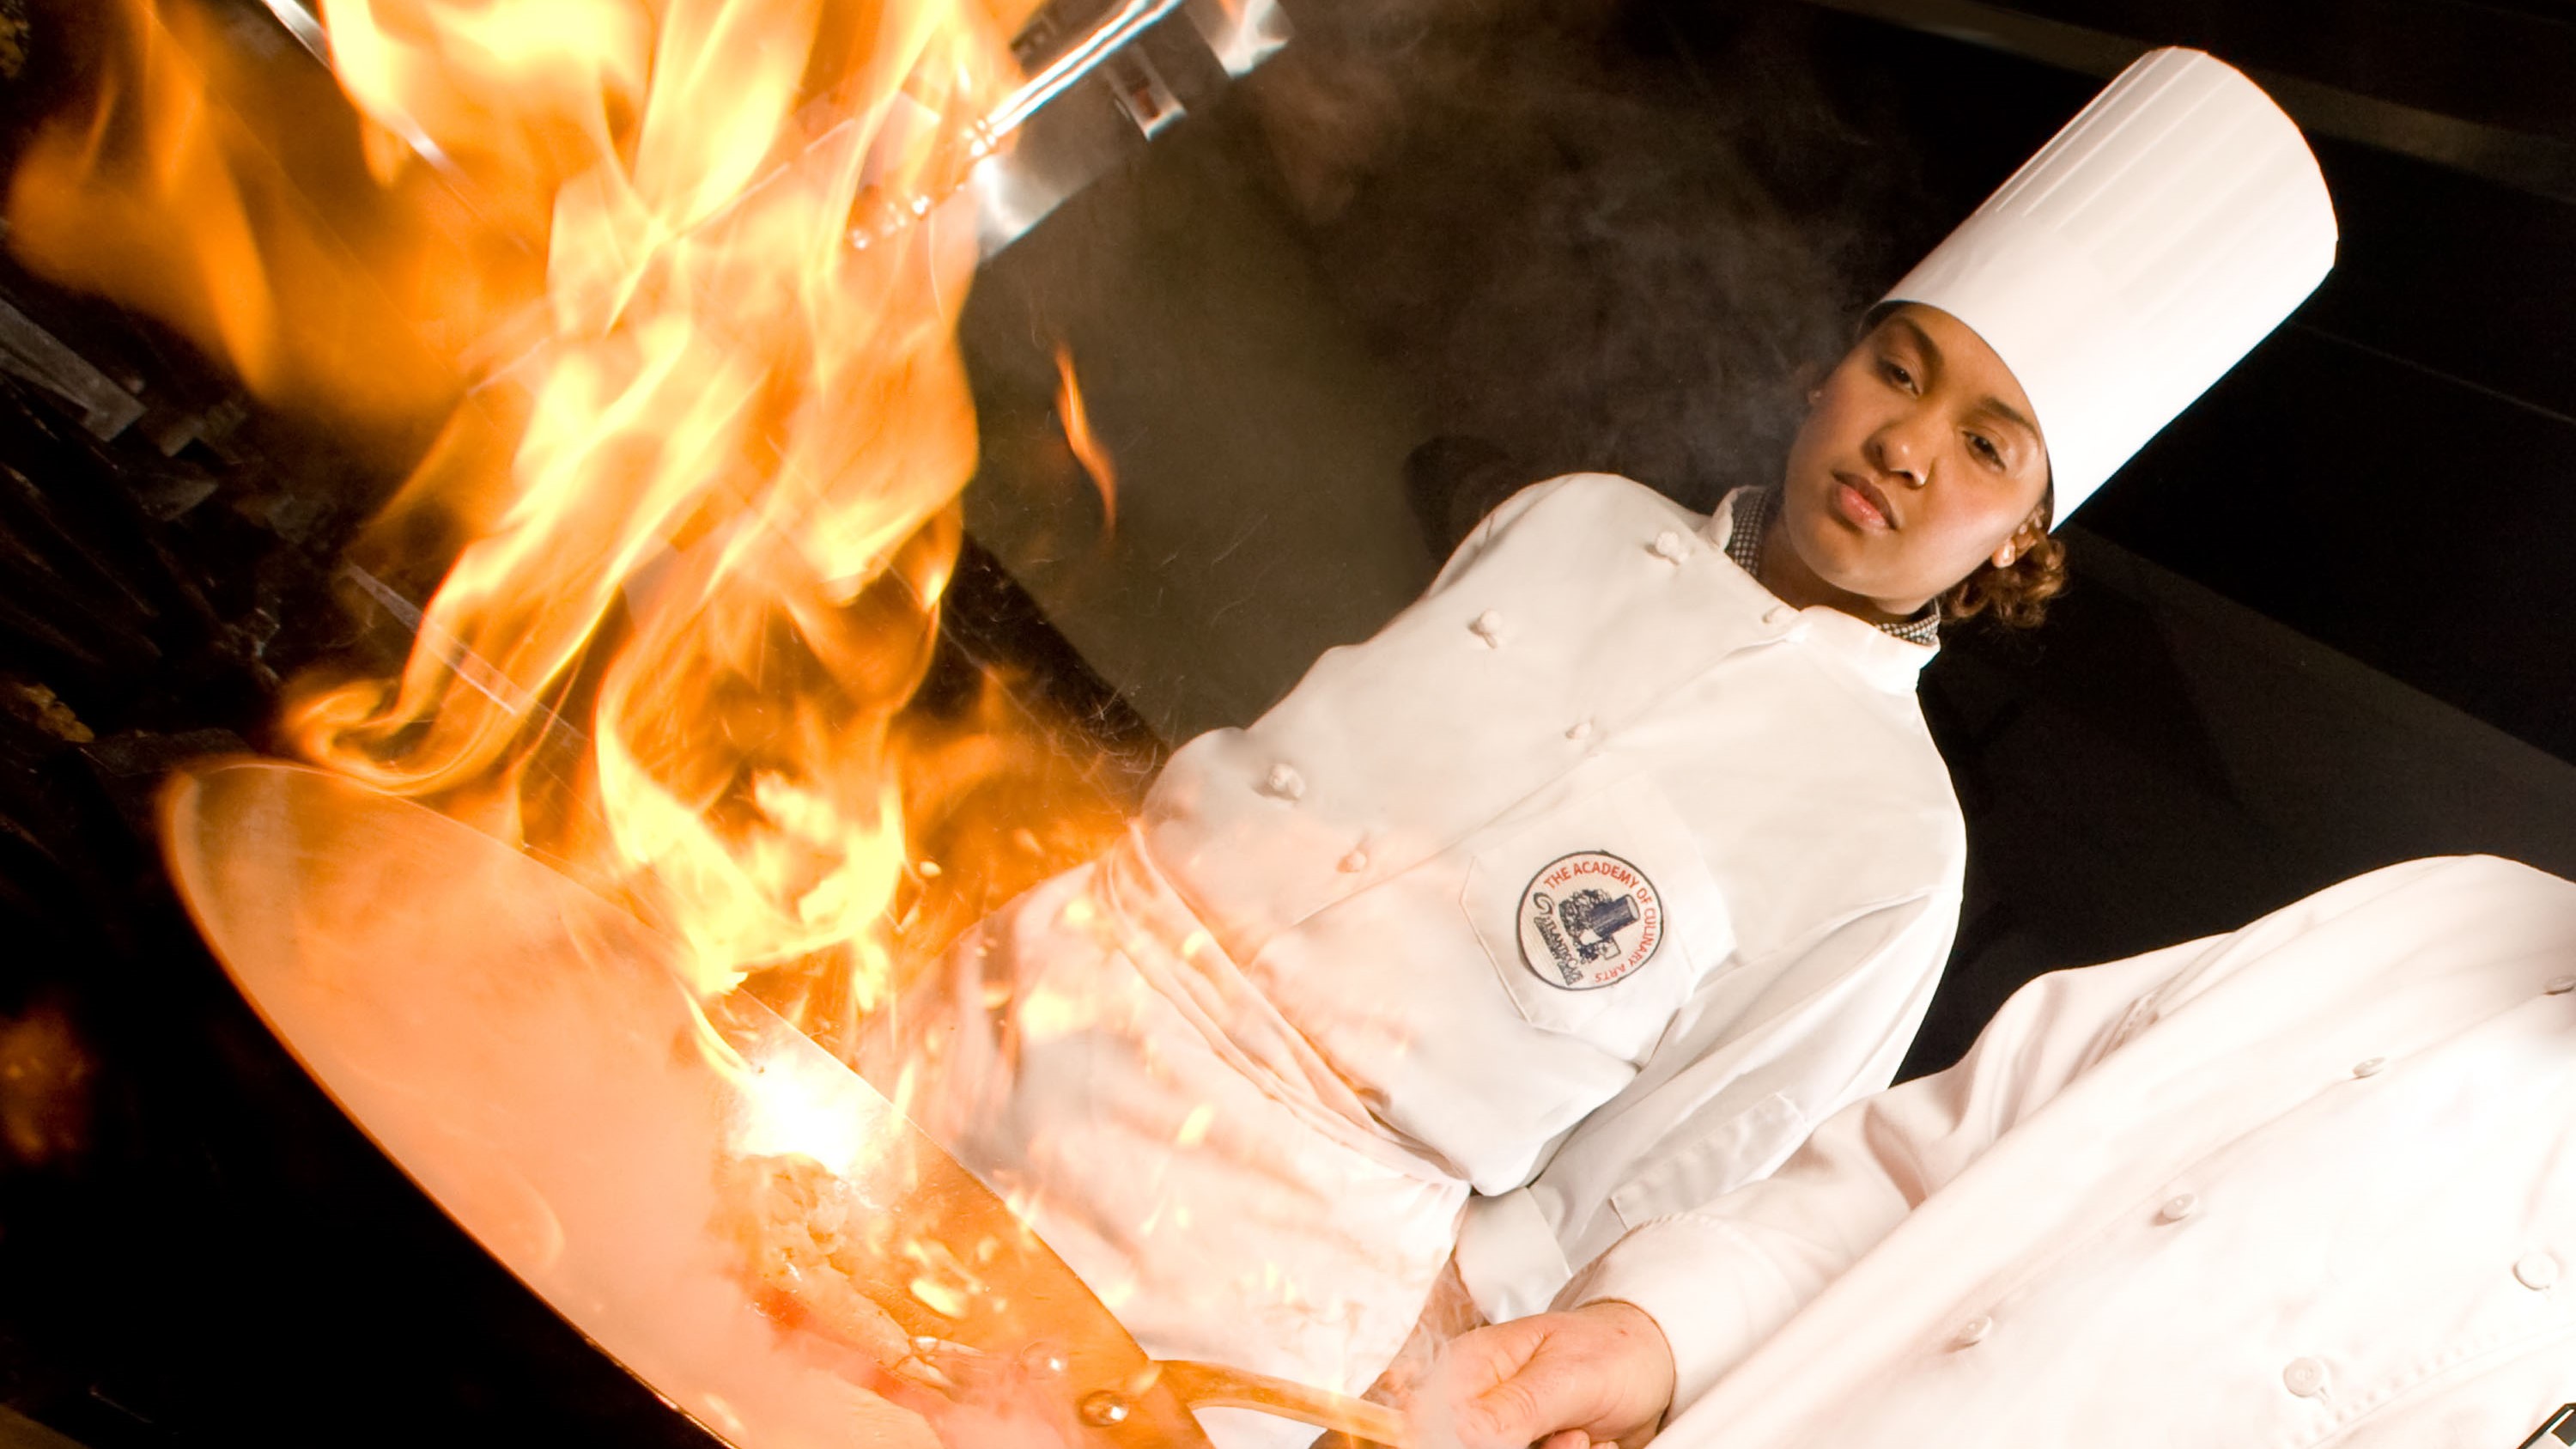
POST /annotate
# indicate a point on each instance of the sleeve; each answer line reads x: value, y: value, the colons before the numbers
x: 1752, y: 1062
x: 1722, y: 1277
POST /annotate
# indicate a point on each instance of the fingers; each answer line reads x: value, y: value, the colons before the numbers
x: 1601, y: 1373
x: 1506, y: 1387
x: 1463, y: 1402
x: 1516, y: 1411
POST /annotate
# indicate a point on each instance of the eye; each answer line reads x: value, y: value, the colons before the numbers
x: 1986, y: 451
x: 1895, y: 372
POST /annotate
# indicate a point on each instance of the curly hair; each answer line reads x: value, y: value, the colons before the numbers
x: 2015, y: 596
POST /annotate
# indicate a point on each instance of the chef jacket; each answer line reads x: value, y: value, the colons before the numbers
x: 2310, y: 1183
x: 1597, y: 848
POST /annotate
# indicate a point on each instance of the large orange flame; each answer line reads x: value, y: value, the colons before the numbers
x: 695, y: 509
x: 192, y: 188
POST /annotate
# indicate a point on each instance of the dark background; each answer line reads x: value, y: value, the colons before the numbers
x: 2317, y: 627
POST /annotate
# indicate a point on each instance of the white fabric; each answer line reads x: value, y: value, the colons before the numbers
x: 2310, y: 1183
x: 1314, y: 931
x: 1171, y: 1139
x: 2166, y: 230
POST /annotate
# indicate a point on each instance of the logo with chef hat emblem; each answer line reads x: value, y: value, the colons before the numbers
x: 1589, y: 919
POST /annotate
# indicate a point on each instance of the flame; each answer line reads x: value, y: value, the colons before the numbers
x: 670, y: 289
x: 681, y: 277
x: 1079, y: 437
x: 236, y: 205
x: 45, y: 1087
x: 717, y: 521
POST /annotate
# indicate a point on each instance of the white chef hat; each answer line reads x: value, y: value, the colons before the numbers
x: 2149, y: 245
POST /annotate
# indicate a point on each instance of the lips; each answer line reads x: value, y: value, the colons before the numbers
x: 1861, y: 504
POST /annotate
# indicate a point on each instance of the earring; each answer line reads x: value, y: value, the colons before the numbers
x: 2004, y: 557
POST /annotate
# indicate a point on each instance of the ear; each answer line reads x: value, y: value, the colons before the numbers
x: 1809, y: 379
x: 2023, y: 540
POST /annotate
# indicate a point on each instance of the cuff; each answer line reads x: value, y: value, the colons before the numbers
x: 1508, y: 1256
x: 1686, y: 1273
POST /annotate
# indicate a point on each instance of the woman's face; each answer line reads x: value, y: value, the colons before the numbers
x: 1920, y: 460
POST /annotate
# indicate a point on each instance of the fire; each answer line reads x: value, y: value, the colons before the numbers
x: 194, y: 189
x: 671, y: 287
x: 693, y: 268
x: 45, y: 1087
x: 722, y: 391
x: 1079, y: 437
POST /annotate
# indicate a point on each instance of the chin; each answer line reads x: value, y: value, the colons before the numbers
x: 1831, y: 549
x: 1842, y: 560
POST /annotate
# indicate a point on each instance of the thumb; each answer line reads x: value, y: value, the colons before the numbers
x: 1470, y: 1397
x: 1603, y: 1369
x: 1513, y: 1385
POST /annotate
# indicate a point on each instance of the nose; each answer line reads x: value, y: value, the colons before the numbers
x: 1901, y: 451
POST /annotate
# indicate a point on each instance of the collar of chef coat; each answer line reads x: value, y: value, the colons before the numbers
x: 1886, y: 661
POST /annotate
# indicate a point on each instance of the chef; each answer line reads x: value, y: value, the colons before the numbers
x: 1620, y: 859
x: 2310, y: 1183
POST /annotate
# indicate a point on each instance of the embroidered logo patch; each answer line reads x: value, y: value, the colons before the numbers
x: 1589, y: 919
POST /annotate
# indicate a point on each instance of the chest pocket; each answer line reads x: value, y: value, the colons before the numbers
x: 1599, y: 916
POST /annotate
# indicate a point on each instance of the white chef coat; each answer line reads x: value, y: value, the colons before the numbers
x: 1596, y: 842
x: 1589, y: 673
x: 2310, y: 1183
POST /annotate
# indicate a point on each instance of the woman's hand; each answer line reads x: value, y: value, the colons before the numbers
x: 1599, y: 1375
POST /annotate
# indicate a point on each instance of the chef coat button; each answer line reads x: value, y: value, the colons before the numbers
x: 2560, y: 985
x: 1355, y: 862
x: 1670, y: 547
x: 1284, y: 782
x: 2304, y: 1377
x: 2536, y: 1271
x: 1579, y: 730
x: 2369, y: 1066
x: 1972, y: 1332
x: 1488, y: 626
x: 2179, y: 1206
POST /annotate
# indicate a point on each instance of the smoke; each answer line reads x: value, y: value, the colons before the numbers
x: 1598, y: 236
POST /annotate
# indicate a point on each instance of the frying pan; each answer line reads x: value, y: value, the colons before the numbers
x: 712, y: 1199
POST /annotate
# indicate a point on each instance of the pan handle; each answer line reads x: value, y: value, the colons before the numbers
x: 1214, y: 1386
